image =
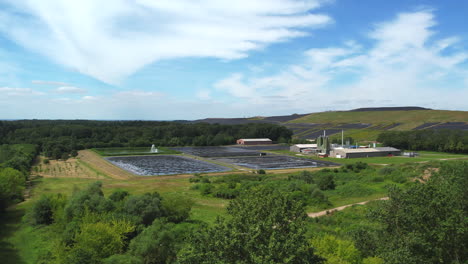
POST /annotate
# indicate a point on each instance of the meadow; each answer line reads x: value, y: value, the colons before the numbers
x: 210, y: 193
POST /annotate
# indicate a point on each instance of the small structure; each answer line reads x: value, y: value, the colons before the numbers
x: 153, y: 149
x: 254, y: 141
x: 304, y: 148
x: 323, y: 144
x: 365, y: 152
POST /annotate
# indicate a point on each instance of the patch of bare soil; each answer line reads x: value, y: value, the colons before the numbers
x: 426, y: 175
x: 331, y: 211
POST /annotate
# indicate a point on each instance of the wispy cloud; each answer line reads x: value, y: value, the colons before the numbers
x: 406, y: 64
x: 9, y: 91
x: 70, y: 90
x: 111, y: 41
x: 39, y: 82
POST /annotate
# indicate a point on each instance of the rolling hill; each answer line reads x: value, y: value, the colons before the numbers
x: 362, y: 123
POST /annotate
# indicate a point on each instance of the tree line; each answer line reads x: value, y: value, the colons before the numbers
x: 59, y: 138
x: 455, y: 141
x: 15, y: 162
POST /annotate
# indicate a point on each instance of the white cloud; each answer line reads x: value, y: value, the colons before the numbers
x: 204, y: 94
x: 405, y: 65
x: 70, y: 90
x: 9, y: 91
x: 137, y: 94
x: 110, y: 40
x: 39, y: 82
x: 89, y: 98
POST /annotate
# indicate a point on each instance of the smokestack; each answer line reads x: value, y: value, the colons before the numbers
x: 342, y: 138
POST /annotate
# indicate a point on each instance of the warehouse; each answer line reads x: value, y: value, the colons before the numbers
x: 254, y: 141
x: 365, y: 152
x: 309, y: 148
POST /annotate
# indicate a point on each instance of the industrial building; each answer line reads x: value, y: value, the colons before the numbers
x: 364, y: 152
x: 304, y: 148
x: 254, y: 141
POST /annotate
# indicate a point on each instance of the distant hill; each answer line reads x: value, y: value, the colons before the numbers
x: 400, y: 108
x: 366, y: 125
x: 361, y: 123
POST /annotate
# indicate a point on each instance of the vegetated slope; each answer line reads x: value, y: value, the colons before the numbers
x: 366, y: 125
x: 408, y: 119
x: 360, y: 124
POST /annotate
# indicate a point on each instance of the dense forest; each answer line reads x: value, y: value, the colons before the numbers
x: 60, y: 138
x: 15, y: 162
x: 455, y: 141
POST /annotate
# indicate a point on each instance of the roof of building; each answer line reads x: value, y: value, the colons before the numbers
x: 306, y: 145
x: 387, y: 149
x: 255, y: 139
x: 361, y: 150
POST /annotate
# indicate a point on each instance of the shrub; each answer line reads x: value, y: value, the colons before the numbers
x: 387, y: 170
x: 146, y: 207
x: 206, y: 188
x: 118, y: 195
x: 326, y: 182
x: 177, y: 208
x: 42, y: 211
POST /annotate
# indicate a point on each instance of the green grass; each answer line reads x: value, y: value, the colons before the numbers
x: 408, y: 119
x: 358, y: 134
x: 131, y: 151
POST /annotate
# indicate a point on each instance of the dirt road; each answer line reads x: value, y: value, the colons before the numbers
x: 322, y: 213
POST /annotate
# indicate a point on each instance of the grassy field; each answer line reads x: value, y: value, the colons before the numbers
x: 358, y: 134
x: 20, y: 243
x: 133, y: 151
x: 408, y: 119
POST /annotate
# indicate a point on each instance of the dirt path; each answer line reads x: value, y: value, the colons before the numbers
x: 322, y: 213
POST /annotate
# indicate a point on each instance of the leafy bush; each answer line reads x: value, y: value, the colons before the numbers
x: 122, y: 259
x: 177, y: 208
x: 354, y: 189
x: 118, y: 195
x: 42, y: 211
x: 146, y: 207
x: 387, y: 170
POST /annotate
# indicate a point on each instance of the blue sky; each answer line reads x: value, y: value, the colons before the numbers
x: 165, y: 60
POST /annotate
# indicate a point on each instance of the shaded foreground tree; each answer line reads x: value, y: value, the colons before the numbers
x: 265, y: 226
x: 427, y: 223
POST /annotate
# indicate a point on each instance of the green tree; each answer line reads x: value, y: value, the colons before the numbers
x: 177, y: 208
x: 146, y: 207
x: 156, y: 244
x: 122, y: 259
x: 427, y: 223
x: 11, y: 187
x: 336, y: 251
x: 97, y: 239
x: 265, y: 226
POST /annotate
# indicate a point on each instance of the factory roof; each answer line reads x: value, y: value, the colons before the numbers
x: 306, y: 145
x: 360, y: 150
x: 255, y: 139
x: 387, y: 149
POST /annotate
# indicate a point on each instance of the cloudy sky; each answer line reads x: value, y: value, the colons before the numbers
x: 186, y: 59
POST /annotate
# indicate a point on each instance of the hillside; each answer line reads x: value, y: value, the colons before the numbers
x: 362, y: 123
